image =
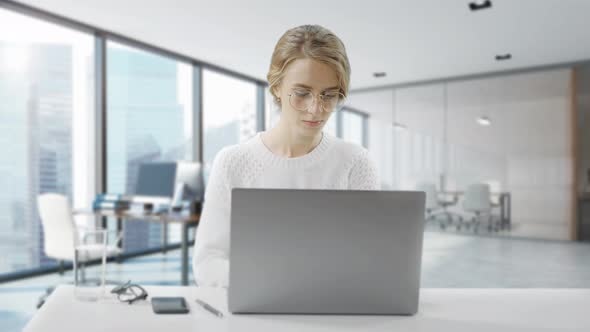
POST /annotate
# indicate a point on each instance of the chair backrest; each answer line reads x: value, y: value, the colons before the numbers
x: 495, y: 187
x: 58, y: 226
x: 431, y: 194
x: 477, y: 198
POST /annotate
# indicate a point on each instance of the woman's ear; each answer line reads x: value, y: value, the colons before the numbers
x: 276, y: 90
x: 277, y: 93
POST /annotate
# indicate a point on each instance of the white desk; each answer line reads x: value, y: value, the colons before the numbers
x: 456, y: 310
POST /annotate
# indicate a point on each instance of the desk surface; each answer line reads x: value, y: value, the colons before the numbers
x: 128, y: 214
x: 440, y: 310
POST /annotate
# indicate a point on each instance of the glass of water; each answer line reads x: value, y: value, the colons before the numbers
x: 90, y: 285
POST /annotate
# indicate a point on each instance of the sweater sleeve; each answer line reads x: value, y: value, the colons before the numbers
x: 211, y: 251
x: 364, y: 174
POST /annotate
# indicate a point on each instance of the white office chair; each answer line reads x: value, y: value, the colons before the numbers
x: 431, y: 199
x: 433, y: 203
x: 477, y: 200
x: 65, y: 241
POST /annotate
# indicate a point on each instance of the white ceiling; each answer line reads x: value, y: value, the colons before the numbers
x: 410, y: 40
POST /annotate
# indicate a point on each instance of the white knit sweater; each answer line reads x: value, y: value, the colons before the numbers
x: 332, y: 164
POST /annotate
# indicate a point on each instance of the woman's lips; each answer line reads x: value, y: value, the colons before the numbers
x: 313, y: 123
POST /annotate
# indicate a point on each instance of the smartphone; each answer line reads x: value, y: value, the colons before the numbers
x: 169, y: 305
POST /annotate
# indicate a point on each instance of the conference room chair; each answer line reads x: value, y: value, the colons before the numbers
x: 477, y: 201
x: 436, y: 207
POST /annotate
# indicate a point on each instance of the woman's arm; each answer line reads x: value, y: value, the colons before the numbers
x: 211, y: 254
x: 364, y: 174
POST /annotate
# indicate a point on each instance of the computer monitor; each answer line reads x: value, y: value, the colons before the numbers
x: 156, y: 179
x: 162, y: 178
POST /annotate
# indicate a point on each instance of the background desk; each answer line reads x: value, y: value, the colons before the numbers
x: 454, y: 310
x: 186, y: 221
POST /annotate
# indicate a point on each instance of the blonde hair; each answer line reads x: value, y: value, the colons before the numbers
x: 309, y: 41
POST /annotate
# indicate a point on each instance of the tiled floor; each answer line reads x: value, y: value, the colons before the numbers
x: 449, y: 260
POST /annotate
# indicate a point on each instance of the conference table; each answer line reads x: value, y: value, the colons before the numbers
x: 456, y: 310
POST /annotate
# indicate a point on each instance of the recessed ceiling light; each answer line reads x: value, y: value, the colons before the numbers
x: 475, y: 5
x: 484, y: 121
x: 379, y: 74
x: 503, y: 57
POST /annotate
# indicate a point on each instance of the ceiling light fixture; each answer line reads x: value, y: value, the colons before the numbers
x: 484, y: 121
x: 479, y: 6
x: 502, y: 57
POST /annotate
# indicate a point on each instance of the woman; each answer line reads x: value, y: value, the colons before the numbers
x: 308, y: 78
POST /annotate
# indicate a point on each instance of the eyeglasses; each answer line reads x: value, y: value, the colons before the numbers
x: 302, y: 100
x: 129, y: 292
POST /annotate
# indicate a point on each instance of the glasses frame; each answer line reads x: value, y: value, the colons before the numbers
x: 314, y: 98
x: 128, y: 289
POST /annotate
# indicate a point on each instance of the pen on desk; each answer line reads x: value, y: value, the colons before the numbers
x: 209, y: 308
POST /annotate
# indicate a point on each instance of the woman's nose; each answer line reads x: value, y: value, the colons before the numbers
x: 315, y: 107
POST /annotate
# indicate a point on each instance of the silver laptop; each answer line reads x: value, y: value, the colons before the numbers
x: 325, y: 251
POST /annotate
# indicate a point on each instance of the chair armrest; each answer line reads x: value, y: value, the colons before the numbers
x: 82, y: 212
x: 445, y: 202
x: 95, y: 231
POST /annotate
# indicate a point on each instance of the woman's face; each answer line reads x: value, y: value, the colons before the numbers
x: 306, y: 76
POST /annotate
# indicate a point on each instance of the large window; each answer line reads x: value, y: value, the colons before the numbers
x: 149, y: 118
x: 354, y: 126
x: 229, y: 113
x: 46, y: 94
x: 51, y: 125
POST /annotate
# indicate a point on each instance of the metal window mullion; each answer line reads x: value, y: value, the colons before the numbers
x: 100, y: 116
x: 198, y: 129
x: 260, y: 108
x: 365, y: 129
x: 339, y: 123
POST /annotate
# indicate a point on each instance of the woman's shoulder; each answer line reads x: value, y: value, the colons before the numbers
x: 237, y: 163
x: 362, y: 167
x: 235, y: 154
x: 348, y: 149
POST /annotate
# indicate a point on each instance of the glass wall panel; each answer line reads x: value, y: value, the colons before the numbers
x: 418, y: 136
x: 511, y: 132
x: 524, y: 146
